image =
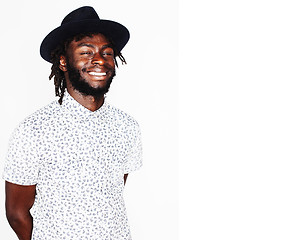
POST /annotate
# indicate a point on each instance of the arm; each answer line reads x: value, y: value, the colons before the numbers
x: 125, y: 177
x: 19, y: 200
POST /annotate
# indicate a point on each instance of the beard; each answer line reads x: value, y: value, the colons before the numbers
x: 81, y: 85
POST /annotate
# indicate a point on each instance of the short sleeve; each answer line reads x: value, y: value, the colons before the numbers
x: 134, y: 158
x: 21, y: 164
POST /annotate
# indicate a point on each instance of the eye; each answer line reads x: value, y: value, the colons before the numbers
x: 108, y: 53
x: 85, y: 53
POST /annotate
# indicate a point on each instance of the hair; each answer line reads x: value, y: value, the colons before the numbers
x: 58, y: 75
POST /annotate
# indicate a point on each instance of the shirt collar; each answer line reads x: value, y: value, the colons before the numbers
x: 76, y: 109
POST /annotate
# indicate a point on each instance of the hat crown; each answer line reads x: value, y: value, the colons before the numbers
x: 80, y: 21
x: 80, y: 14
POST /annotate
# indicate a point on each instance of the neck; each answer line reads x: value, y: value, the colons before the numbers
x: 90, y: 102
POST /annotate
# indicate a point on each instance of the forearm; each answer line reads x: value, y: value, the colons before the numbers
x: 125, y: 177
x: 22, y: 225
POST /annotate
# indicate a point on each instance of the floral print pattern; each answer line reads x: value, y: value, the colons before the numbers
x: 77, y: 159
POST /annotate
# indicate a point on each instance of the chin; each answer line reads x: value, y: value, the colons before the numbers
x: 81, y: 85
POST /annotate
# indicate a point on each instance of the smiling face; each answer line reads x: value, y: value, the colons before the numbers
x: 89, y: 65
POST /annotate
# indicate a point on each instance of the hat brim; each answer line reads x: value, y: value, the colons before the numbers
x: 113, y: 30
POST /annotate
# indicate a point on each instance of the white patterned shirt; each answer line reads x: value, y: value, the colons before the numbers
x: 77, y: 159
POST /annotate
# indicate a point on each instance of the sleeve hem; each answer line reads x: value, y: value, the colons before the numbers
x: 129, y: 170
x: 18, y: 182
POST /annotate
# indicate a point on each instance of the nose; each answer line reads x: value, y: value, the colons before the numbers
x: 98, y: 59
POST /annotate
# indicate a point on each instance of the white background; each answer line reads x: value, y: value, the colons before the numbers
x: 238, y: 75
x: 146, y: 88
x: 237, y: 119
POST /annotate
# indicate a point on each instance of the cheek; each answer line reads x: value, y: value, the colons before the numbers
x: 111, y: 64
x: 80, y: 65
x: 75, y: 63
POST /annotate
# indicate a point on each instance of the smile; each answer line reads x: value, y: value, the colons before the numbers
x: 97, y: 73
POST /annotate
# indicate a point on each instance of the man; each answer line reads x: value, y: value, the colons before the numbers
x: 68, y: 162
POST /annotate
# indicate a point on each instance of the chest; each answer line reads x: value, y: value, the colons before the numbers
x: 83, y: 151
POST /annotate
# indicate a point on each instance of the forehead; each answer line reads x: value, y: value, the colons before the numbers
x: 97, y: 39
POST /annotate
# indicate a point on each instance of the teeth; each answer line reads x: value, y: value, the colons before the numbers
x: 97, y: 73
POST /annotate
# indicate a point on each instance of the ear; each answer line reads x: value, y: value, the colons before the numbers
x: 63, y: 65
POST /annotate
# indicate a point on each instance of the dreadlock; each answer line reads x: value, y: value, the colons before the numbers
x: 58, y: 75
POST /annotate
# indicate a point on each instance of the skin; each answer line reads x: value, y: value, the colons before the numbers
x: 92, y: 54
x: 19, y: 200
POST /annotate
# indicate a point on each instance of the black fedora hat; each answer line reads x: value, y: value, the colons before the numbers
x: 83, y: 20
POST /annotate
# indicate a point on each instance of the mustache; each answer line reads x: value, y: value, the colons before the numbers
x: 106, y: 66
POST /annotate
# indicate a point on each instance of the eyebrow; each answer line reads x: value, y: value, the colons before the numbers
x: 85, y: 45
x: 92, y: 46
x: 107, y: 46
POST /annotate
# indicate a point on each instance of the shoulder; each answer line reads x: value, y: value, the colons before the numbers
x: 39, y: 118
x: 121, y: 117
